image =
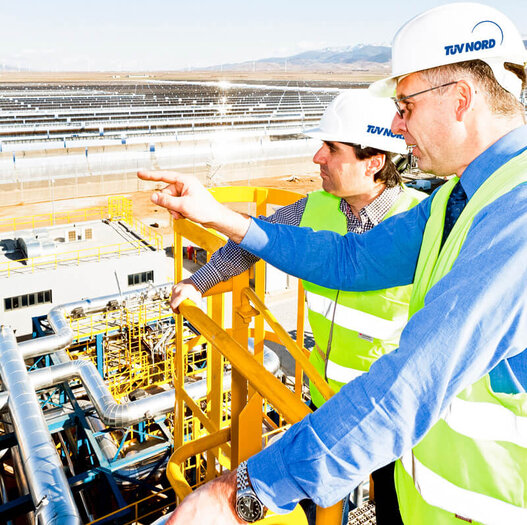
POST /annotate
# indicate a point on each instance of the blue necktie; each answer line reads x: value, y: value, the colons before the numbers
x: 454, y: 207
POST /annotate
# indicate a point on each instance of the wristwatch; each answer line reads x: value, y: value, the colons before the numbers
x: 248, y: 507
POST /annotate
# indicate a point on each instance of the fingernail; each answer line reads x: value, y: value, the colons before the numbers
x: 155, y: 198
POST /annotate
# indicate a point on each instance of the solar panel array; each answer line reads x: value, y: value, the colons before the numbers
x: 50, y: 112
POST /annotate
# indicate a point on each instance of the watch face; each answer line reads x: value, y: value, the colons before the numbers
x: 249, y: 508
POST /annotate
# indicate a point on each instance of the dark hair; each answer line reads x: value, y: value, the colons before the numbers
x: 388, y: 173
x: 499, y: 100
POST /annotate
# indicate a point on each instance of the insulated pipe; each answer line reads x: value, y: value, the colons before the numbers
x: 121, y: 415
x: 49, y: 487
x: 21, y: 481
x: 63, y: 335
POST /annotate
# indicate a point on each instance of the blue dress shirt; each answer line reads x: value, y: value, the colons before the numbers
x: 474, y: 322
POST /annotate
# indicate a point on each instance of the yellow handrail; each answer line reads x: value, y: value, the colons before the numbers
x: 263, y: 381
x: 75, y: 256
x: 290, y: 406
x: 291, y: 346
x: 251, y: 382
x: 174, y: 473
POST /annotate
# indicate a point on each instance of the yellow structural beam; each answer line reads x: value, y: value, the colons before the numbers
x: 263, y: 381
x: 232, y: 345
x: 291, y: 346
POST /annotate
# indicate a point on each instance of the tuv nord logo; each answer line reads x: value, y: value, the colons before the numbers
x: 385, y: 132
x: 492, y: 30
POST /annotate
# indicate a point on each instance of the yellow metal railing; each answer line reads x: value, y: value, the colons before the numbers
x: 53, y: 219
x: 297, y: 353
x: 53, y: 261
x: 146, y: 232
x: 120, y: 208
x: 252, y: 386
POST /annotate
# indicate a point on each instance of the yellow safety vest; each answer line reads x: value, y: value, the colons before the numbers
x: 366, y: 324
x: 472, y: 464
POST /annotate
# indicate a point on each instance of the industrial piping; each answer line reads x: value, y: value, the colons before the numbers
x: 63, y: 335
x: 118, y: 415
x: 49, y: 487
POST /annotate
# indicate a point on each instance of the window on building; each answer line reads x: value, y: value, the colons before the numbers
x: 28, y: 299
x: 140, y: 278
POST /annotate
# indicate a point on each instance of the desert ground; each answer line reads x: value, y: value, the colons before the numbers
x: 287, y: 176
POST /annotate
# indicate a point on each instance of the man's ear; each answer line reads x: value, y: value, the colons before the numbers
x: 375, y: 164
x: 464, y: 92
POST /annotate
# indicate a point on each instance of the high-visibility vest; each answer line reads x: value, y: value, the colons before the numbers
x: 366, y: 324
x: 472, y: 464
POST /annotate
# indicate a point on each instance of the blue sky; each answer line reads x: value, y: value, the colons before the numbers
x: 163, y: 34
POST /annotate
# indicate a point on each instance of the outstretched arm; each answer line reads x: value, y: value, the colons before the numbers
x: 186, y: 198
x: 381, y: 258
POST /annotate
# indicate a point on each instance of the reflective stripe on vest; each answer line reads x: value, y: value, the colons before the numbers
x: 480, y: 420
x: 472, y: 464
x: 353, y: 319
x: 342, y: 374
x: 367, y: 324
x: 467, y: 505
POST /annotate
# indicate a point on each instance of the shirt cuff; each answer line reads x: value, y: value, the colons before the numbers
x: 205, y: 278
x: 271, y: 482
x: 256, y: 239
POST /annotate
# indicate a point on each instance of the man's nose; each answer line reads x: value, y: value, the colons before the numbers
x: 319, y: 157
x: 398, y: 124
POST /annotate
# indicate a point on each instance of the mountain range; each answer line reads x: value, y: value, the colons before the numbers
x: 375, y: 58
x: 362, y: 57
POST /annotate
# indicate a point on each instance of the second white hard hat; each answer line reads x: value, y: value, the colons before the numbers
x: 453, y: 33
x: 355, y: 116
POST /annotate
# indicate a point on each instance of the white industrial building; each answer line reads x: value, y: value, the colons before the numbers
x: 56, y: 264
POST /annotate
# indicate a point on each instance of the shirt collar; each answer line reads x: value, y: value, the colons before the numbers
x: 482, y: 167
x: 376, y: 210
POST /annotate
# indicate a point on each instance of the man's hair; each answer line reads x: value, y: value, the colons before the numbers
x: 500, y: 101
x: 388, y: 173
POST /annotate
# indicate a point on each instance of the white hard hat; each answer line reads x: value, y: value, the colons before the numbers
x: 454, y: 33
x: 358, y: 117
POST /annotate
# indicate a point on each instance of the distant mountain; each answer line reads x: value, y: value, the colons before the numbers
x: 362, y: 57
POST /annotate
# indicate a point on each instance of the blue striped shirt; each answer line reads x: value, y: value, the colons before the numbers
x: 474, y: 322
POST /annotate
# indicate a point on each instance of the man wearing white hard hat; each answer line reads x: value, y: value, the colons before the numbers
x: 361, y: 187
x: 451, y: 400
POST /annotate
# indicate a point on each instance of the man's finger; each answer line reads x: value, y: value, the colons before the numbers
x: 172, y: 204
x: 170, y: 177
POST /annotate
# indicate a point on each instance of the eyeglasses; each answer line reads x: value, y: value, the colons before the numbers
x: 397, y: 100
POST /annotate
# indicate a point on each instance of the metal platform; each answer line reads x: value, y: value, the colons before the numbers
x: 363, y: 515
